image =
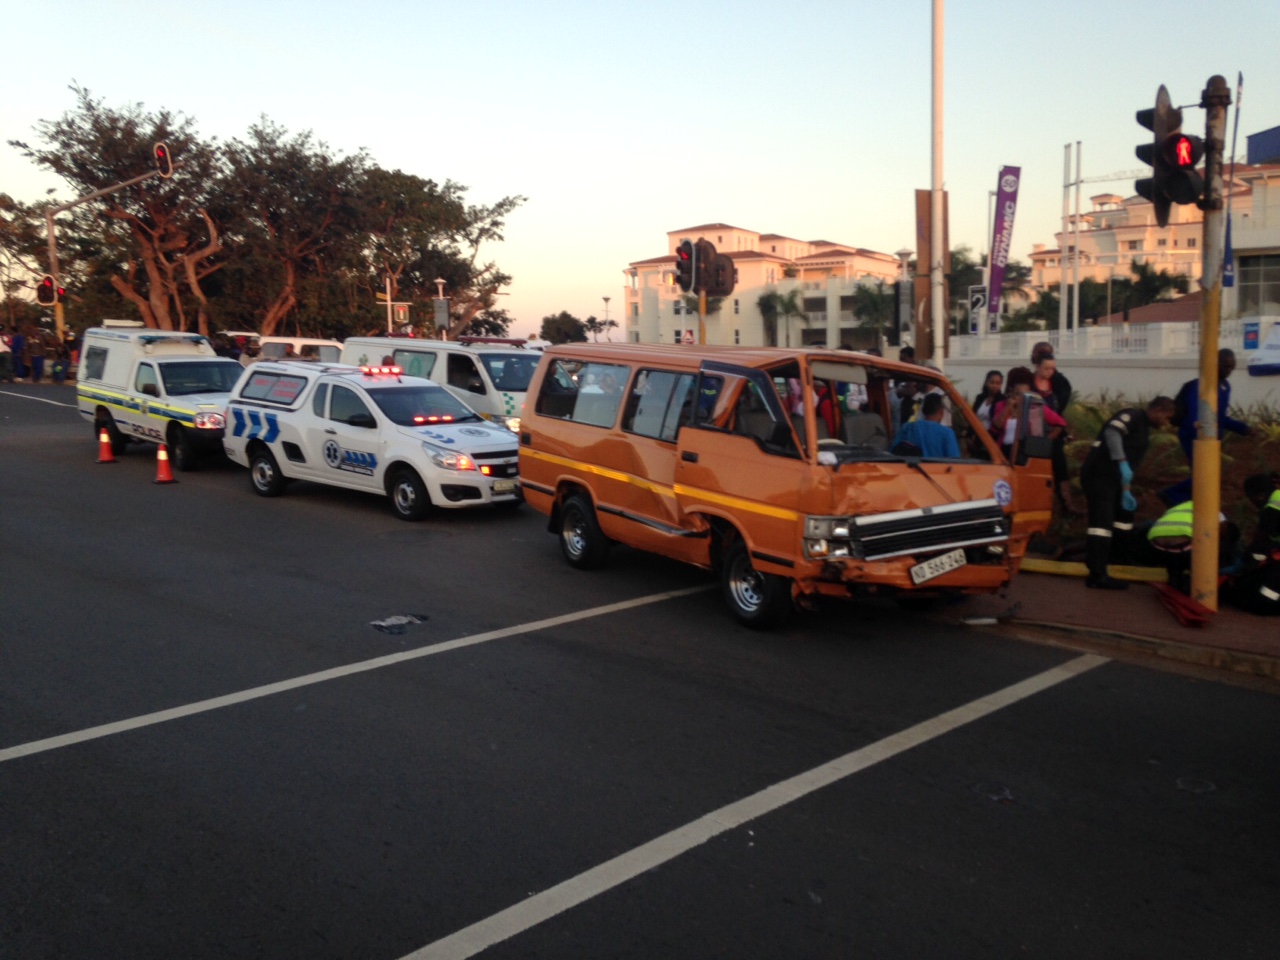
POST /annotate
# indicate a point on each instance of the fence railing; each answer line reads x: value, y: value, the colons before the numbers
x: 1121, y: 339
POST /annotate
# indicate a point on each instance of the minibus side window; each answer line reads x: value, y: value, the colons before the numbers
x: 659, y: 402
x: 583, y: 392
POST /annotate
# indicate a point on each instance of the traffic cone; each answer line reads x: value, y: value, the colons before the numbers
x: 104, y: 447
x: 163, y: 473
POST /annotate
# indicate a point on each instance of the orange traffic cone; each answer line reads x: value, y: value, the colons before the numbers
x: 163, y: 473
x: 104, y: 447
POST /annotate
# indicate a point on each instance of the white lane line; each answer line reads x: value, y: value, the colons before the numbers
x: 27, y: 396
x: 612, y: 873
x: 270, y: 689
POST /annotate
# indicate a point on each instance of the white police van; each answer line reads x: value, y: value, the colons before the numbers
x: 162, y: 386
x: 368, y: 428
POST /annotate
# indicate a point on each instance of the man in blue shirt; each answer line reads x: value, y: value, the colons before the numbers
x: 1188, y: 405
x: 928, y: 435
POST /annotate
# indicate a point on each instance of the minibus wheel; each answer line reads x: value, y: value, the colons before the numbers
x: 756, y: 599
x: 583, y: 543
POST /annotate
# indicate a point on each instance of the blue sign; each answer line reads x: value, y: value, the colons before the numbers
x: 1252, y: 334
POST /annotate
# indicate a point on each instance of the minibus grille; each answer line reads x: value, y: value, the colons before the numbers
x: 904, y: 532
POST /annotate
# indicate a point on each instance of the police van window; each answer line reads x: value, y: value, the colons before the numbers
x: 463, y: 373
x: 658, y: 403
x: 345, y: 404
x: 273, y: 388
x: 414, y: 363
x: 317, y: 402
x: 95, y: 359
x: 146, y: 377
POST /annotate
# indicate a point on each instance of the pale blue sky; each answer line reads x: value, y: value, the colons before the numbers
x: 817, y: 123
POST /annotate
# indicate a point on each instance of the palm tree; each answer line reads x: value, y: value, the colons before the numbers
x: 768, y: 305
x: 1150, y: 285
x: 789, y: 306
x: 873, y: 306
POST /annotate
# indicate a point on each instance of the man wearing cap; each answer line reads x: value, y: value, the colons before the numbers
x: 1106, y: 478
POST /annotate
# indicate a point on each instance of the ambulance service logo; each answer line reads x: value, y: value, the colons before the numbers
x: 349, y: 460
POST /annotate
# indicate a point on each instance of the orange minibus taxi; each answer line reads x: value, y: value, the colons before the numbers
x: 727, y: 458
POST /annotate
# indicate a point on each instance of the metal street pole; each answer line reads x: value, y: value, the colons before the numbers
x: 1206, y: 473
x: 1075, y: 252
x: 1062, y: 246
x: 937, y: 291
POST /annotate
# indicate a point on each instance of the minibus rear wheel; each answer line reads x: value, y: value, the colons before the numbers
x: 757, y: 600
x: 583, y: 543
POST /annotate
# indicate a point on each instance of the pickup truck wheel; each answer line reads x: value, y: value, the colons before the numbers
x: 181, y: 450
x: 409, y: 497
x: 582, y: 542
x: 265, y: 475
x: 757, y: 600
x: 104, y: 421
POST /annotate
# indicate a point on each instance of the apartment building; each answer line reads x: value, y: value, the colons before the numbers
x: 1117, y: 232
x: 1256, y: 242
x: 825, y: 273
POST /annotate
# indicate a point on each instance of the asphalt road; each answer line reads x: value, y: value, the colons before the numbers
x: 207, y: 749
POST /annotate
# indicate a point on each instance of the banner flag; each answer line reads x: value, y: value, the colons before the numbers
x: 1228, y: 260
x: 1002, y: 235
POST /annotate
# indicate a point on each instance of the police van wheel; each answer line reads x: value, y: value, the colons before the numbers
x: 181, y: 450
x: 756, y: 599
x: 409, y: 497
x: 583, y: 543
x: 264, y: 474
x: 107, y: 422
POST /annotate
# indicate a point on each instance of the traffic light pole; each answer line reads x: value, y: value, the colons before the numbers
x: 53, y: 243
x: 1207, y: 460
x: 702, y: 317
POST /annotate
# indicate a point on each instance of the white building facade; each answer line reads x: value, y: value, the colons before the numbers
x: 826, y: 274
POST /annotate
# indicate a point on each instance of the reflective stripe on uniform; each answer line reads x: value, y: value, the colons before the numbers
x: 1099, y: 532
x: 1121, y: 526
x: 1269, y: 593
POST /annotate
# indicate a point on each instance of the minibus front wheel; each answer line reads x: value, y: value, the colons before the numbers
x: 581, y: 540
x: 756, y: 599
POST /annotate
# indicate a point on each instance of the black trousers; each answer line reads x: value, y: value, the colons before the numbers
x: 1108, y: 521
x: 1258, y: 591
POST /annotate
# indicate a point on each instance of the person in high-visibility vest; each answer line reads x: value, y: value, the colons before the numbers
x: 1257, y: 589
x: 1171, y: 536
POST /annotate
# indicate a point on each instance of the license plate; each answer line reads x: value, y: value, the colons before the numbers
x: 504, y: 486
x: 937, y: 566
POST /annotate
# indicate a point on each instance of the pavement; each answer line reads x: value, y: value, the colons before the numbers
x: 1131, y: 624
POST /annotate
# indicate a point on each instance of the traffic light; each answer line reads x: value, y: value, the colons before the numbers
x: 46, y: 292
x: 164, y: 159
x: 1173, y: 156
x: 721, y: 276
x: 685, y: 267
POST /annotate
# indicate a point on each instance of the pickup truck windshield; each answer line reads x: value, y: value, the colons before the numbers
x: 413, y: 406
x: 199, y: 376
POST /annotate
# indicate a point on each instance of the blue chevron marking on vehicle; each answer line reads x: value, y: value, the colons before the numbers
x: 255, y: 419
x: 273, y: 429
x: 238, y: 416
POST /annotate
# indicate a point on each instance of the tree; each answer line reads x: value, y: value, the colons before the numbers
x: 768, y: 305
x: 1150, y: 284
x: 154, y: 240
x: 873, y: 306
x: 563, y: 327
x: 596, y: 327
x: 478, y: 284
x: 490, y: 323
x: 299, y: 207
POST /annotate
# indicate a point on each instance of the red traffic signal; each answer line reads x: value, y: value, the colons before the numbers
x: 46, y: 292
x: 1184, y: 151
x: 164, y: 159
x: 685, y: 266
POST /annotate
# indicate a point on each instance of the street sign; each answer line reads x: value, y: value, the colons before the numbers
x: 977, y: 306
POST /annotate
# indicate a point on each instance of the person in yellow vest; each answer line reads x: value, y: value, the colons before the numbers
x: 1257, y: 589
x: 1170, y: 538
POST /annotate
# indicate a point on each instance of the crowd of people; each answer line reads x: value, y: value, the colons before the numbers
x: 1113, y: 533
x: 28, y: 353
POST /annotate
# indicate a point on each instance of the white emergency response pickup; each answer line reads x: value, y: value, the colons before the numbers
x: 371, y: 429
x: 161, y: 386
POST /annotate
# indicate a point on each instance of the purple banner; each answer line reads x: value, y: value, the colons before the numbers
x: 1002, y: 237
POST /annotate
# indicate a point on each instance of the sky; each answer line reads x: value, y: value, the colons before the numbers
x: 623, y: 120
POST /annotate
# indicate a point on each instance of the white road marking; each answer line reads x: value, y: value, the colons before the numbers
x: 612, y: 873
x: 270, y: 689
x: 27, y: 396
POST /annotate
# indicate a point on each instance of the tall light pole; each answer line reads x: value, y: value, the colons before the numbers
x: 936, y: 251
x: 986, y: 270
x: 606, y: 317
x: 905, y: 310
